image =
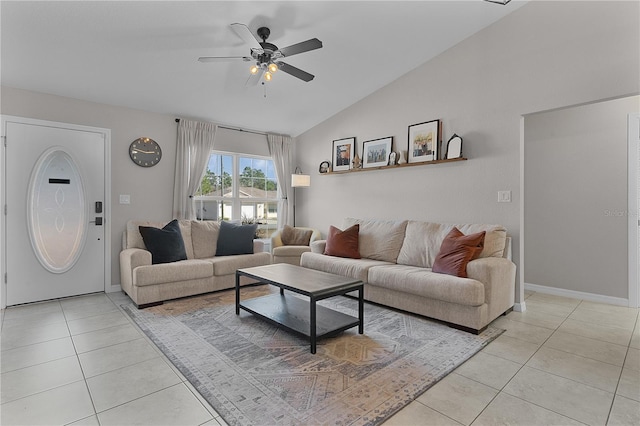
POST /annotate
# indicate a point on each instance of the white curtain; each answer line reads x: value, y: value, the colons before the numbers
x: 195, y: 143
x: 280, y: 148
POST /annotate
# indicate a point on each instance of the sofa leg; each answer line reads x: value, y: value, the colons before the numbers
x: 148, y: 305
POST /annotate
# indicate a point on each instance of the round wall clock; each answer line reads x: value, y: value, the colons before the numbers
x: 145, y: 152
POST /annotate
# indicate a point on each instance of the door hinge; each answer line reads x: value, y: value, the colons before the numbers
x: 5, y: 140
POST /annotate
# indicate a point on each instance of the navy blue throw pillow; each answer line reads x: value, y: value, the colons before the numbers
x: 235, y: 239
x: 166, y: 245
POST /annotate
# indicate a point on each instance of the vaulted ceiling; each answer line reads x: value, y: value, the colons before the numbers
x: 143, y: 54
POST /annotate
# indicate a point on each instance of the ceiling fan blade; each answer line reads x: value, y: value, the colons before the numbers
x: 223, y: 58
x: 296, y: 72
x: 254, y: 78
x: 245, y: 34
x: 301, y: 47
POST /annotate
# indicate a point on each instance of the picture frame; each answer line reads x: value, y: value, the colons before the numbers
x: 342, y: 153
x: 375, y: 153
x: 324, y: 167
x: 424, y: 141
x: 454, y: 147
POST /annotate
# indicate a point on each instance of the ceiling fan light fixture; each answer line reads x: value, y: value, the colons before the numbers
x: 268, y: 76
x: 273, y: 68
x: 254, y: 69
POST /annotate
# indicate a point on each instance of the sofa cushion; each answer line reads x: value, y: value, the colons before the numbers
x: 227, y: 265
x: 456, y: 251
x: 235, y: 239
x: 295, y: 251
x: 354, y: 268
x: 379, y: 239
x: 295, y: 237
x: 423, y: 240
x: 343, y: 243
x: 166, y: 244
x: 183, y: 270
x: 204, y: 235
x: 423, y: 282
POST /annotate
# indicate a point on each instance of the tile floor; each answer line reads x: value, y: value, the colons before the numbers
x: 81, y: 361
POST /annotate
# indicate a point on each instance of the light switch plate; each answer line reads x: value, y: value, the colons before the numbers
x: 125, y: 199
x: 504, y: 196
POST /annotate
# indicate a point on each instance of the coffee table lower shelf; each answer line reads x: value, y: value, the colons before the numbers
x: 292, y: 313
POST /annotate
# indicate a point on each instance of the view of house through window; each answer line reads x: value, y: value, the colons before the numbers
x: 241, y: 188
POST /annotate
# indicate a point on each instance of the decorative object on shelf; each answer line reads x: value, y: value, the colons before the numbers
x: 324, y: 167
x: 298, y: 180
x: 145, y: 152
x: 454, y: 147
x: 376, y: 152
x: 423, y: 141
x: 342, y: 153
x: 357, y: 163
x: 402, y: 157
x: 392, y: 158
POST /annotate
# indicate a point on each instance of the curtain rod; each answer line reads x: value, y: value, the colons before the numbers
x: 236, y: 129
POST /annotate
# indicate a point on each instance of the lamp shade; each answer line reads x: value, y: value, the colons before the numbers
x: 298, y: 180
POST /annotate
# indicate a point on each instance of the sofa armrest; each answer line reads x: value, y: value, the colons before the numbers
x: 276, y: 239
x: 318, y: 246
x: 258, y: 246
x: 130, y: 259
x: 499, y: 278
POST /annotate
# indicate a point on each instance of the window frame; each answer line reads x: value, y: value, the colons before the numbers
x: 235, y: 199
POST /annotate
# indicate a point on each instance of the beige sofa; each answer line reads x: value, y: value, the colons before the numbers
x: 202, y: 272
x: 396, y: 268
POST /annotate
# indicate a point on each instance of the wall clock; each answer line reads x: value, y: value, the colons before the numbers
x: 145, y: 152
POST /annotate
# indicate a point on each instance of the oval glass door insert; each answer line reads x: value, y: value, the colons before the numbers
x: 56, y: 210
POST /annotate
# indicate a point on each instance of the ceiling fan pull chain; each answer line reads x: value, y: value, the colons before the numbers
x: 265, y: 89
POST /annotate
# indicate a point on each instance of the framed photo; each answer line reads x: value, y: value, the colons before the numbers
x: 342, y: 153
x: 424, y: 139
x: 375, y: 153
x: 324, y: 167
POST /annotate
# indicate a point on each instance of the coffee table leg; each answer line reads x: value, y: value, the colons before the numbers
x: 360, y: 311
x: 312, y: 326
x: 237, y: 293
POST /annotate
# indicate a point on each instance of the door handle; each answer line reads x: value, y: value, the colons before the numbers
x: 98, y: 221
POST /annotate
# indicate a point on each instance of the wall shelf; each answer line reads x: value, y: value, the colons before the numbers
x: 397, y: 166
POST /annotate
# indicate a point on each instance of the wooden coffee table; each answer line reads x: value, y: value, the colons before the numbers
x: 295, y: 313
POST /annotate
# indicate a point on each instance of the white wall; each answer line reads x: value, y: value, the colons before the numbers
x: 544, y: 55
x: 575, y: 183
x: 151, y: 189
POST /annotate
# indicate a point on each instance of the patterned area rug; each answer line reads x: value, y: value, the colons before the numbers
x: 254, y: 373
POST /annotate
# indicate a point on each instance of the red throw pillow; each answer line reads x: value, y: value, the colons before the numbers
x: 343, y: 243
x: 456, y: 251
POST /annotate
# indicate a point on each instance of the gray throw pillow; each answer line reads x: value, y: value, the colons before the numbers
x: 166, y: 245
x: 235, y: 239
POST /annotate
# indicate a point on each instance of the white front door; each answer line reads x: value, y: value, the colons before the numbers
x: 55, y: 210
x: 633, y: 213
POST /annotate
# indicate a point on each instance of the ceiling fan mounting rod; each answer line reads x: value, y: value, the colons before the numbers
x: 263, y: 33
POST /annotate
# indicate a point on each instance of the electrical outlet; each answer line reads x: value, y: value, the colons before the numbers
x: 504, y: 196
x: 125, y: 199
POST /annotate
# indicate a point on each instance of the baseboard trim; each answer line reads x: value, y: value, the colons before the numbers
x: 114, y: 288
x: 591, y: 297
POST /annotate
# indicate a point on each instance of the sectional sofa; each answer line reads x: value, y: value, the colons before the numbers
x: 395, y: 266
x: 202, y: 272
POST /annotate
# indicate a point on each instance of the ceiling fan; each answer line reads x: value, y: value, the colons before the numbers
x: 266, y: 55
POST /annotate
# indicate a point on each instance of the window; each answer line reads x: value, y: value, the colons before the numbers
x: 241, y: 188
